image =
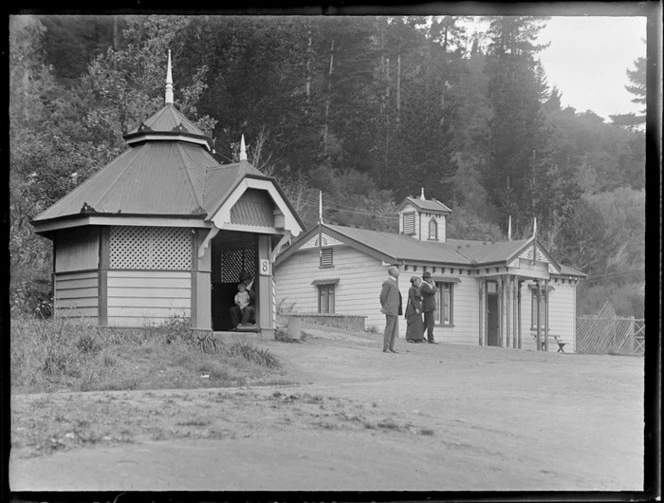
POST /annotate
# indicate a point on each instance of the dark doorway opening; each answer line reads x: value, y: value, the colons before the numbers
x: 492, y: 319
x: 232, y: 254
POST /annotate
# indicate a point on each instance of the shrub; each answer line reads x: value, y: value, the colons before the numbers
x: 87, y: 343
x: 75, y: 355
x: 251, y: 353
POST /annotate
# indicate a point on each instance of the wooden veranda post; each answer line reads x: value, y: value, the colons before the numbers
x: 508, y: 311
x: 546, y: 315
x: 501, y: 298
x: 481, y: 327
x: 538, y: 321
x: 518, y: 298
x: 515, y: 285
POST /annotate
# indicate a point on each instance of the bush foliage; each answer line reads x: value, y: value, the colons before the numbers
x: 72, y: 355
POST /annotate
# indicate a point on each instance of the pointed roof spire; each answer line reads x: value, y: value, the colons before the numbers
x: 422, y: 195
x: 509, y: 229
x: 169, y: 81
x: 243, y: 150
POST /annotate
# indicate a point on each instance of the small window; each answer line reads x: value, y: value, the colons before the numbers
x: 326, y: 298
x: 326, y: 258
x: 409, y: 223
x: 444, y: 315
x: 433, y: 229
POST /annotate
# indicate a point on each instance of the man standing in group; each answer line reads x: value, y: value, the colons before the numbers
x: 390, y: 301
x: 428, y: 290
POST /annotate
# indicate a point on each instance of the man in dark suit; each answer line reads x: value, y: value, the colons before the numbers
x: 390, y: 302
x: 428, y: 290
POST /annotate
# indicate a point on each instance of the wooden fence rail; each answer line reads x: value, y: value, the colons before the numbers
x: 606, y: 333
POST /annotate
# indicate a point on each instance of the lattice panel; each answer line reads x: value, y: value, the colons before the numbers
x: 327, y: 241
x: 237, y: 255
x: 167, y: 248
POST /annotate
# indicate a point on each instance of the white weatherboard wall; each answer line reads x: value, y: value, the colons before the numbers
x: 357, y: 293
x: 466, y: 320
x: 75, y: 281
x: 76, y: 294
x: 141, y: 298
x: 562, y: 316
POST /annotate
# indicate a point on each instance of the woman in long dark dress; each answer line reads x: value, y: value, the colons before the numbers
x: 413, y: 314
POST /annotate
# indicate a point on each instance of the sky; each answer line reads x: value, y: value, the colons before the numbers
x: 588, y: 59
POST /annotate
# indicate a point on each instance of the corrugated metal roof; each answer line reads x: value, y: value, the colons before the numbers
x: 153, y: 178
x: 222, y: 180
x: 480, y: 252
x: 571, y: 272
x: 168, y: 119
x: 426, y: 204
x: 402, y: 247
x: 399, y: 247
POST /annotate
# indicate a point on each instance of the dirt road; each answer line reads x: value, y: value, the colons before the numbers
x: 433, y: 417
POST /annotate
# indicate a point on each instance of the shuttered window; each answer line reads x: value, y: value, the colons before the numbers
x: 409, y: 223
x: 326, y: 258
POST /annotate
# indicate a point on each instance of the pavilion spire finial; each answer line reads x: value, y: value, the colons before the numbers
x: 243, y: 150
x: 422, y: 195
x: 169, y: 81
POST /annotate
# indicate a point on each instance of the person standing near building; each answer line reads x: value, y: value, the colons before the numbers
x: 390, y: 301
x: 428, y: 290
x: 414, y: 329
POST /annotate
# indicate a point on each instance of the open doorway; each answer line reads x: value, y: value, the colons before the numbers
x: 232, y: 254
x: 492, y: 318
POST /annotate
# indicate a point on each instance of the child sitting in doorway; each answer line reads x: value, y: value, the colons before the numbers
x: 242, y: 300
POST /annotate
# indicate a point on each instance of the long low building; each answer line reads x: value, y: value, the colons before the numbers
x: 489, y: 292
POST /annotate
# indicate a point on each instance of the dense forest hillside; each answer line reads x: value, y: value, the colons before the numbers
x: 366, y: 109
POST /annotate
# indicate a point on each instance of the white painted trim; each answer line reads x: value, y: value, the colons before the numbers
x: 284, y: 239
x: 206, y: 242
x: 222, y: 218
x: 254, y: 229
x: 158, y: 137
x: 524, y: 273
x: 122, y: 221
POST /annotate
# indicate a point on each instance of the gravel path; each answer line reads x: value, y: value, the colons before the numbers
x: 433, y: 417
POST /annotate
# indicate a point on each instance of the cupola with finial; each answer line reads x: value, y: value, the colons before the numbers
x: 423, y: 219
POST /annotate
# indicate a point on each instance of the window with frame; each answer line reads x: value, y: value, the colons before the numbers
x: 326, y: 257
x: 533, y: 310
x: 409, y: 223
x: 326, y: 298
x: 433, y: 229
x: 444, y: 314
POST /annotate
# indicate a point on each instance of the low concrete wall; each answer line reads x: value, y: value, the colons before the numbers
x: 351, y: 322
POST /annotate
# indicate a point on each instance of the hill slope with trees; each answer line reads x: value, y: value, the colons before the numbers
x: 367, y: 109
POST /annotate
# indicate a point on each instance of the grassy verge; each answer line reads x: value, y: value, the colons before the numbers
x: 63, y: 355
